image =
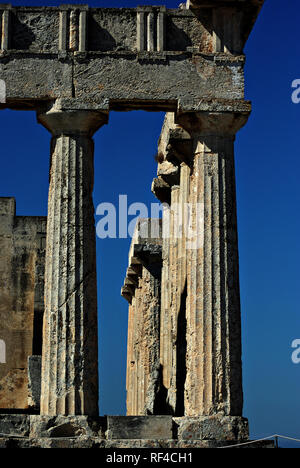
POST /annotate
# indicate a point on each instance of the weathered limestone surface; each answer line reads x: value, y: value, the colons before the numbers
x: 149, y: 427
x: 212, y: 427
x: 173, y: 149
x: 213, y: 360
x: 142, y: 289
x: 200, y: 326
x: 34, y: 382
x: 98, y: 443
x: 22, y: 257
x: 21, y: 431
x: 232, y: 20
x: 109, y: 58
x: 70, y: 346
x: 73, y: 64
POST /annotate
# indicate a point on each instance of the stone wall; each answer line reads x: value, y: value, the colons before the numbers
x: 22, y: 251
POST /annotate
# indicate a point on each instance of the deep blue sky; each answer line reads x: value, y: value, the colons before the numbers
x: 267, y: 163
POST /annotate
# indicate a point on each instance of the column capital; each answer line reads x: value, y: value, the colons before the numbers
x: 202, y: 124
x: 78, y: 119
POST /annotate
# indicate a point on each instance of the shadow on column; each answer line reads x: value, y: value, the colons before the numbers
x: 181, y: 348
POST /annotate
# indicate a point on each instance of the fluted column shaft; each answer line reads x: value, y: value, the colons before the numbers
x: 214, y: 371
x: 178, y: 257
x: 165, y: 328
x: 70, y: 340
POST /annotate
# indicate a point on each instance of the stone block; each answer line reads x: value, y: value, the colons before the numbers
x: 66, y: 426
x: 34, y: 381
x: 14, y: 425
x: 88, y: 442
x: 139, y: 427
x: 218, y: 427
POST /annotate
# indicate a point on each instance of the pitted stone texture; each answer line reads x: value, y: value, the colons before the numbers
x: 185, y: 79
x: 34, y: 381
x: 71, y: 426
x: 139, y: 427
x: 212, y: 428
x: 142, y: 289
x: 70, y: 347
x: 213, y: 360
x: 14, y: 424
x: 39, y: 50
x: 23, y: 431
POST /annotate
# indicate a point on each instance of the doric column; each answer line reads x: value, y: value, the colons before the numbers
x: 70, y: 341
x: 142, y: 289
x: 214, y: 371
x: 177, y: 311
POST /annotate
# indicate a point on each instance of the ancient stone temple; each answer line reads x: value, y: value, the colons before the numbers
x: 72, y: 65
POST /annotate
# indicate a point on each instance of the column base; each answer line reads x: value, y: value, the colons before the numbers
x: 117, y: 432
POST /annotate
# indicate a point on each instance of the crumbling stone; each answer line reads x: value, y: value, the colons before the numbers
x: 73, y: 64
x: 142, y: 289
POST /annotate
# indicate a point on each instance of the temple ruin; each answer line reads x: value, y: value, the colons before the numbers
x: 72, y: 65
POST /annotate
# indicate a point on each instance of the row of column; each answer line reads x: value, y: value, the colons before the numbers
x: 200, y: 307
x: 206, y: 277
x: 142, y: 289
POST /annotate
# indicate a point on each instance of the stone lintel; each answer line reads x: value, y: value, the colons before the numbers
x: 139, y: 427
x: 186, y: 106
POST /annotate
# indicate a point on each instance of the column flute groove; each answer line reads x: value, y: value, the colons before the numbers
x: 70, y: 341
x: 214, y: 369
